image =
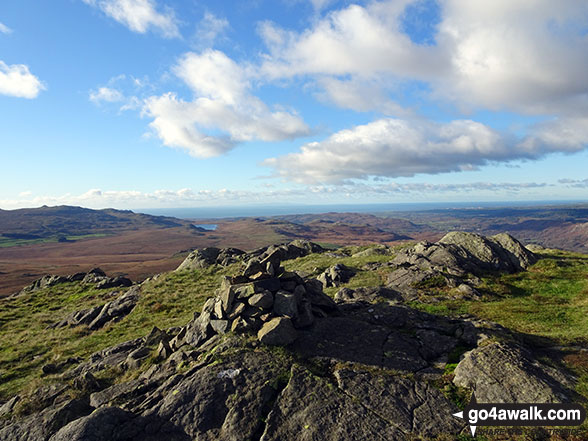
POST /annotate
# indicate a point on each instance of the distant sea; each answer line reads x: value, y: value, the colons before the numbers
x: 280, y: 210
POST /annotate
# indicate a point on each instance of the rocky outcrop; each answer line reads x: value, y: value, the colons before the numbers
x: 114, y: 424
x: 457, y: 260
x: 99, y: 316
x: 204, y: 257
x: 95, y: 277
x: 509, y: 373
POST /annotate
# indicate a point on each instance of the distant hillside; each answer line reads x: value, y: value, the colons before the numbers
x: 65, y: 221
x: 383, y: 223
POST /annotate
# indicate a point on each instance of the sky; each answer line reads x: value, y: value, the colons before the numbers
x: 172, y: 103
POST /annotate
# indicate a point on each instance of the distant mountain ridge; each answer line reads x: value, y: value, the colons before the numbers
x: 46, y: 222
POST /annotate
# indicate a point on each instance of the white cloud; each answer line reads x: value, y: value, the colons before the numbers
x: 139, y: 15
x: 209, y: 29
x: 398, y: 147
x: 222, y: 102
x: 16, y: 80
x: 106, y: 94
x: 319, y: 5
x: 187, y: 197
x: 359, y: 95
x: 527, y: 56
x: 574, y: 183
x: 356, y: 40
x: 5, y: 29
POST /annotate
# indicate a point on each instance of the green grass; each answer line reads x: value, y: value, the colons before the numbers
x: 549, y: 300
x: 27, y: 345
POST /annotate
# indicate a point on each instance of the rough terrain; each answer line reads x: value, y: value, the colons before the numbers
x: 271, y: 356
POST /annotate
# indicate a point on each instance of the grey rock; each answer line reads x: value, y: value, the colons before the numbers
x: 223, y: 401
x: 361, y: 406
x: 200, y: 258
x: 114, y: 282
x: 285, y: 304
x: 264, y: 300
x: 507, y: 373
x: 198, y: 330
x: 253, y: 267
x: 117, y: 309
x: 271, y: 284
x: 378, y: 250
x: 115, y: 424
x: 236, y: 310
x: 453, y: 260
x: 336, y: 275
x: 305, y: 316
x: 277, y: 332
x: 7, y: 408
x: 316, y: 296
x: 40, y: 426
x: 367, y: 294
x: 219, y: 326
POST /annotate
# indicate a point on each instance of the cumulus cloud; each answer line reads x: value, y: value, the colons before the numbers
x: 359, y: 95
x: 209, y: 29
x: 106, y: 94
x: 500, y: 55
x: 356, y: 40
x: 5, y: 29
x: 525, y: 56
x: 139, y: 15
x: 401, y: 148
x: 223, y: 103
x: 16, y: 80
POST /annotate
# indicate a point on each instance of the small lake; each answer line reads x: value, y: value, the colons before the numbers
x: 207, y: 227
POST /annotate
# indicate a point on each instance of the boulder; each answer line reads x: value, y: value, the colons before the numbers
x: 277, y: 332
x: 508, y: 373
x: 200, y: 258
x: 264, y: 300
x: 285, y: 304
x: 336, y: 275
x: 114, y: 424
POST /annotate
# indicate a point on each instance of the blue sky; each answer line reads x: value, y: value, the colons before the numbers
x: 167, y: 103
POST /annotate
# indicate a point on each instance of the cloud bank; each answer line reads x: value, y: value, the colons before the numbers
x: 187, y: 197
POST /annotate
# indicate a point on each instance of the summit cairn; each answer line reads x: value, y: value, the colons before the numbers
x: 265, y: 299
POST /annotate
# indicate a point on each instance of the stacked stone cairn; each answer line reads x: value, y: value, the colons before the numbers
x: 266, y: 300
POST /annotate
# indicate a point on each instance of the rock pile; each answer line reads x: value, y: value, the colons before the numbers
x: 266, y: 299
